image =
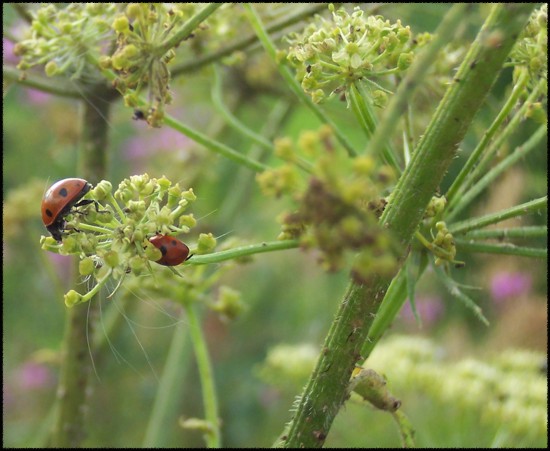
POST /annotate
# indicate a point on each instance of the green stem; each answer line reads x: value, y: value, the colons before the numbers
x: 22, y: 11
x: 243, y: 251
x: 194, y: 64
x: 217, y: 100
x: 517, y: 91
x: 494, y: 147
x: 291, y: 82
x: 326, y: 390
x: 482, y: 221
x: 445, y: 32
x: 170, y: 386
x: 513, y: 232
x: 212, y: 437
x: 58, y: 87
x: 499, y: 169
x: 364, y: 112
x: 186, y: 29
x: 390, y: 307
x: 214, y: 145
x: 76, y: 366
x: 464, y: 245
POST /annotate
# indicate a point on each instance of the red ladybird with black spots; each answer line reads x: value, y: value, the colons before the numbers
x: 174, y: 252
x: 59, y: 201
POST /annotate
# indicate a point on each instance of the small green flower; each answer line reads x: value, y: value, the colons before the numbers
x: 531, y: 51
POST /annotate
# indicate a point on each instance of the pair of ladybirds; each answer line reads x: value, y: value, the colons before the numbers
x: 65, y: 195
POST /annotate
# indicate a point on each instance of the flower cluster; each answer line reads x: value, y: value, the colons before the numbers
x: 329, y: 55
x: 510, y: 391
x: 113, y: 241
x: 67, y: 40
x: 337, y: 205
x: 443, y: 244
x: 141, y: 58
x: 531, y: 51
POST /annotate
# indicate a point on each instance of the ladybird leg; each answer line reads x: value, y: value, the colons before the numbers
x: 88, y: 202
x: 190, y: 255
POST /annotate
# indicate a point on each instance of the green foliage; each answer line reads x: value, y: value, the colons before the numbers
x: 356, y: 184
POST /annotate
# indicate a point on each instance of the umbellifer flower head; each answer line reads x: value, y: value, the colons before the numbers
x: 329, y: 55
x: 114, y: 240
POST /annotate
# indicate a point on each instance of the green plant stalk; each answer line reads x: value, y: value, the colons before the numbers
x: 520, y: 152
x: 243, y: 251
x: 483, y: 221
x: 291, y: 82
x: 76, y: 366
x: 390, y: 307
x: 185, y: 30
x: 326, y: 390
x: 500, y: 248
x: 513, y: 232
x: 454, y: 290
x: 31, y: 80
x: 397, y: 106
x: 517, y: 91
x: 364, y: 112
x: 214, y: 145
x: 170, y: 386
x: 244, y: 178
x: 217, y: 100
x: 201, y: 138
x: 195, y: 64
x: 22, y: 11
x: 495, y: 145
x: 406, y: 430
x: 213, y: 436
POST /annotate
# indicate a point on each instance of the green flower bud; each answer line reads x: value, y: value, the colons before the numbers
x: 405, y: 60
x: 133, y: 10
x: 206, y: 243
x: 318, y: 96
x: 72, y: 298
x: 379, y: 98
x: 152, y: 253
x: 111, y: 259
x: 187, y: 220
x: 284, y: 149
x: 229, y: 304
x: 363, y: 165
x: 51, y: 69
x: 121, y: 25
x: 137, y: 264
x: 86, y: 266
x: 105, y: 62
x: 189, y: 195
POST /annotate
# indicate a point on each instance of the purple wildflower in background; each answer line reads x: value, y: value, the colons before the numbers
x: 147, y: 143
x: 429, y: 308
x: 34, y: 375
x: 507, y: 285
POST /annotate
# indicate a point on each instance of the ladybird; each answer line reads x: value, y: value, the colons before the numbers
x: 174, y: 252
x: 59, y: 200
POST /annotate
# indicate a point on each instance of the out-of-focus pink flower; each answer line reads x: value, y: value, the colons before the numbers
x: 508, y: 285
x: 148, y: 143
x: 34, y: 375
x: 429, y: 308
x: 7, y: 52
x: 62, y: 264
x: 37, y: 97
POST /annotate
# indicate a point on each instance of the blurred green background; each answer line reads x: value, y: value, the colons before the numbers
x: 290, y: 300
